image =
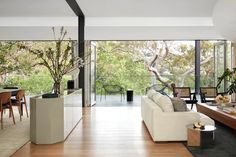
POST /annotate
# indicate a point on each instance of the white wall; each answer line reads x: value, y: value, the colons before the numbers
x: 36, y: 28
x: 150, y: 33
x: 34, y: 33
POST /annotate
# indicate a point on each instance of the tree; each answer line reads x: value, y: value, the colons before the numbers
x: 117, y: 64
x: 13, y: 61
x: 169, y: 61
x: 58, y: 58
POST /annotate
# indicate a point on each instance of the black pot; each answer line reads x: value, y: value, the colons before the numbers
x: 50, y: 95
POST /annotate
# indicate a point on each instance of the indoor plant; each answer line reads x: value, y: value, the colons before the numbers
x: 59, y: 58
x: 230, y: 76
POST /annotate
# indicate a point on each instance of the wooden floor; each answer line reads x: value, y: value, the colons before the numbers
x: 107, y: 132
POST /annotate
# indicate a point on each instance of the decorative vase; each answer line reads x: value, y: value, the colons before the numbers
x: 56, y: 87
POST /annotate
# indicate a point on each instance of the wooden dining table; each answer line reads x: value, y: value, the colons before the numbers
x: 12, y: 91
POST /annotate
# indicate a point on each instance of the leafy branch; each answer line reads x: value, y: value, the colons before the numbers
x: 59, y: 59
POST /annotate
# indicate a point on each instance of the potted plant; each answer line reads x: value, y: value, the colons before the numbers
x: 230, y: 76
x: 59, y: 58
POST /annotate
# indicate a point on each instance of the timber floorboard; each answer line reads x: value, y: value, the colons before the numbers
x: 107, y: 132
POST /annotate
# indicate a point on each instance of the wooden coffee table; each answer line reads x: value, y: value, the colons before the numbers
x: 217, y: 114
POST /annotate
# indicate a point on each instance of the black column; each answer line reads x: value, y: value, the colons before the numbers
x: 197, y: 65
x: 81, y: 54
x: 81, y: 18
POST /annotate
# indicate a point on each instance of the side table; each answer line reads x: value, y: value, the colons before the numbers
x: 201, y: 137
x: 130, y: 94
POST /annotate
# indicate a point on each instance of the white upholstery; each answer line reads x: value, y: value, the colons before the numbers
x: 168, y: 126
x: 156, y: 96
x: 151, y: 93
x: 165, y: 103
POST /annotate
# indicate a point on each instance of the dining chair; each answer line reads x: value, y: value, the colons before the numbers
x: 208, y: 94
x: 19, y: 101
x: 186, y: 94
x: 5, y: 103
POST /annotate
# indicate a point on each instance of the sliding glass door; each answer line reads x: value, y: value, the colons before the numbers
x: 93, y: 74
x: 220, y: 63
x: 215, y: 58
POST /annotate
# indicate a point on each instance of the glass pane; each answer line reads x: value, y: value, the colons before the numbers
x: 219, y: 63
x: 93, y: 73
x: 207, y: 72
x: 175, y: 62
x: 229, y: 55
x: 213, y: 62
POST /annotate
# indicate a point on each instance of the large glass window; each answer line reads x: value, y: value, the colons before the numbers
x: 140, y: 64
x: 174, y: 62
x: 207, y: 64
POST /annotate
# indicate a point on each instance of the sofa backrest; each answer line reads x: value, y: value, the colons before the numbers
x: 150, y: 103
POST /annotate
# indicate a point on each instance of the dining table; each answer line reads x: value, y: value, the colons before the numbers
x: 12, y: 91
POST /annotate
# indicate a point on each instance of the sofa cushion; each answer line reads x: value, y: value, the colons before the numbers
x: 156, y: 96
x: 179, y: 105
x: 150, y: 93
x: 165, y: 103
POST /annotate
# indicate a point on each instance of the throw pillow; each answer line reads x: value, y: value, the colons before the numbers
x: 165, y: 103
x: 150, y: 93
x: 179, y: 104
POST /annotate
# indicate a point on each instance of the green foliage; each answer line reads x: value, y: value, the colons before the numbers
x: 37, y: 83
x: 229, y: 76
x: 58, y: 57
x: 126, y: 63
x: 18, y: 67
x: 115, y: 65
x: 13, y: 60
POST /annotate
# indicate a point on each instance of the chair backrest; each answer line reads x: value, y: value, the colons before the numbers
x: 209, y: 92
x: 5, y: 97
x: 20, y: 94
x: 113, y: 88
x: 182, y: 92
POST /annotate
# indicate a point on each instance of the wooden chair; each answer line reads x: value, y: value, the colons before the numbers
x: 208, y: 94
x: 19, y: 101
x: 186, y: 94
x: 5, y: 103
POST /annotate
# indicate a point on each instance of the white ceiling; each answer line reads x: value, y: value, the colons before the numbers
x: 35, y: 8
x: 110, y: 19
x: 109, y: 8
x: 147, y: 8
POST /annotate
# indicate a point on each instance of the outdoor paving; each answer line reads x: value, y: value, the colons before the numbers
x: 115, y: 100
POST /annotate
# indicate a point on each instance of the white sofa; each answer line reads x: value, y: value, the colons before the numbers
x: 168, y: 126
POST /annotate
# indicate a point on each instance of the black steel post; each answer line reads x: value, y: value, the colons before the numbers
x: 197, y: 65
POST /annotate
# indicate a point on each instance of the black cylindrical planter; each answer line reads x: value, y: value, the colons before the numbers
x: 70, y: 84
x: 130, y: 94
